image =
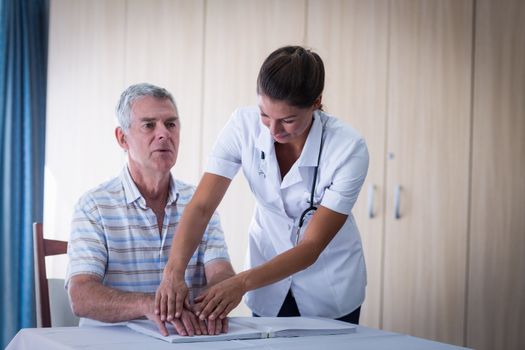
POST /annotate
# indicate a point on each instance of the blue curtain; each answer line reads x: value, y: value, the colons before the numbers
x: 23, y: 74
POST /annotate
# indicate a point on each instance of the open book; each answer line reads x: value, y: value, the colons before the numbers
x: 253, y: 328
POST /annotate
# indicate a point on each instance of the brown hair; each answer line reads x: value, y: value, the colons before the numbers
x: 292, y: 74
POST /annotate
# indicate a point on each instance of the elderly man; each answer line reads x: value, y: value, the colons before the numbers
x: 122, y: 230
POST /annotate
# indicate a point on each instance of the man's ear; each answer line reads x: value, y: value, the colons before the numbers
x: 121, y: 137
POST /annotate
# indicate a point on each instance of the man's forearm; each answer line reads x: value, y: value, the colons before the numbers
x: 89, y: 298
x: 219, y: 277
x: 217, y: 271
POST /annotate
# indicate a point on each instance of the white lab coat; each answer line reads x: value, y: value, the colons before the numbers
x: 335, y: 284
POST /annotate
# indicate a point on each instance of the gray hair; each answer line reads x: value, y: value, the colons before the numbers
x: 133, y: 93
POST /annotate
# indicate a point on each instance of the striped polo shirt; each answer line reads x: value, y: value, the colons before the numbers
x: 115, y: 236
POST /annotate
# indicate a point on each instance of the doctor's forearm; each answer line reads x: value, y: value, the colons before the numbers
x: 280, y: 267
x: 322, y: 228
x: 194, y: 220
x: 186, y: 239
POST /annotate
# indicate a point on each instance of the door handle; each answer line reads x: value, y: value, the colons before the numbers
x: 371, y: 190
x: 397, y: 200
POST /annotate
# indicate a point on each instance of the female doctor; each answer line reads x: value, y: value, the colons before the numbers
x: 305, y: 169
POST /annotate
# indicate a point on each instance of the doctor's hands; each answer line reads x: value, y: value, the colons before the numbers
x: 187, y: 324
x: 172, y: 305
x: 171, y: 297
x: 218, y: 301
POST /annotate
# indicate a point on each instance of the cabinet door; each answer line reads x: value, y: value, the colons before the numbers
x: 164, y: 46
x: 429, y: 93
x: 496, y: 288
x: 86, y: 46
x: 352, y: 39
x: 238, y: 36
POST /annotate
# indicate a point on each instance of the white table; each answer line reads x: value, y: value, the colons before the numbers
x: 121, y: 337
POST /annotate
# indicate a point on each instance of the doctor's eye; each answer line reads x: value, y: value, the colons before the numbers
x: 148, y: 125
x: 265, y: 120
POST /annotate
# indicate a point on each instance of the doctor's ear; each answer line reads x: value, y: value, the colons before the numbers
x: 121, y: 137
x: 318, y: 103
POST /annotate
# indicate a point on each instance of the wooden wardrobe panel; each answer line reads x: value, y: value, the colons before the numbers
x: 352, y: 39
x: 429, y: 93
x: 239, y: 36
x: 164, y: 46
x: 496, y: 289
x: 85, y: 79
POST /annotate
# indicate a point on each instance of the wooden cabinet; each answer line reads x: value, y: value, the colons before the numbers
x: 400, y: 72
x: 162, y: 47
x: 85, y: 78
x: 352, y: 39
x: 496, y: 283
x: 239, y: 35
x: 427, y: 172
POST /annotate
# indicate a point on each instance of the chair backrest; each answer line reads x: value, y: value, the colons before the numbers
x: 42, y: 248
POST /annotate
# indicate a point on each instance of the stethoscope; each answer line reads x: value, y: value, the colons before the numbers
x: 312, y: 207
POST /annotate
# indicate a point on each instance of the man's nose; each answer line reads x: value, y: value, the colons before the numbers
x: 162, y: 131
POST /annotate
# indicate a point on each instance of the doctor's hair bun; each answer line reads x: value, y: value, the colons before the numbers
x: 292, y: 74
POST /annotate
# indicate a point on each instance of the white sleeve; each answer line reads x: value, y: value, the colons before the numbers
x: 225, y: 157
x: 347, y: 181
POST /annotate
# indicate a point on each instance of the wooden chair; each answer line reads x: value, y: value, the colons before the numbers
x: 42, y: 248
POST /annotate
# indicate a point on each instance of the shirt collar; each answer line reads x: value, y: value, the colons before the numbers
x: 310, y: 152
x: 132, y: 193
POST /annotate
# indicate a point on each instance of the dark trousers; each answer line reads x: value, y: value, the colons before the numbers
x: 289, y: 309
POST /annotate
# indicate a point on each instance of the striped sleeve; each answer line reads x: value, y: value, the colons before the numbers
x: 87, y: 250
x: 215, y: 243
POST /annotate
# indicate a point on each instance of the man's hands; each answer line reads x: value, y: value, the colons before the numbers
x: 172, y: 305
x: 153, y: 317
x: 189, y: 324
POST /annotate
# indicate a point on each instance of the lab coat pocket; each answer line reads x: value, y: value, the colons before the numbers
x: 262, y: 181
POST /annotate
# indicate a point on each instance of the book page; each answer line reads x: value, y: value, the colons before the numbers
x: 235, y: 331
x: 296, y: 326
x: 252, y: 328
